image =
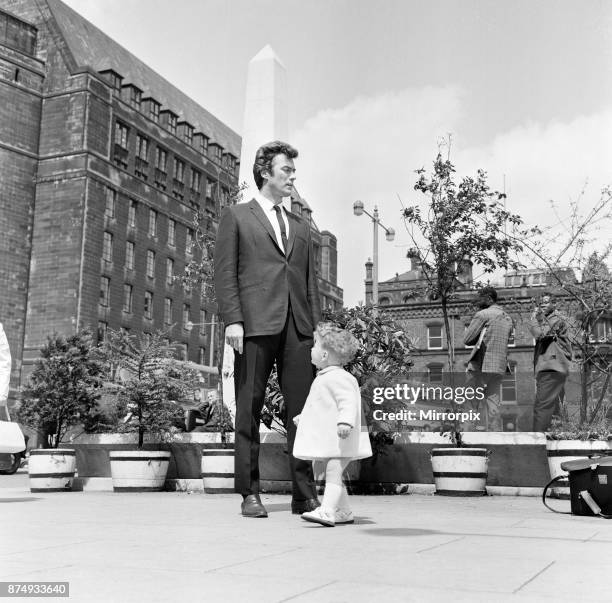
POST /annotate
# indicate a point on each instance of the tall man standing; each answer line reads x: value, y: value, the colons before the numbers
x: 489, y: 333
x: 269, y: 301
x: 551, y: 360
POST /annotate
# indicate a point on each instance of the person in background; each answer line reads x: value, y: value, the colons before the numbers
x: 489, y: 333
x: 551, y: 360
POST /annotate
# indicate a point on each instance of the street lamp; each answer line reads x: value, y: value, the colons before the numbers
x: 189, y: 326
x: 359, y: 210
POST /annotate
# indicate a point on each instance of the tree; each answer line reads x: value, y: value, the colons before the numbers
x: 581, y: 278
x: 148, y: 382
x: 462, y: 223
x: 64, y: 387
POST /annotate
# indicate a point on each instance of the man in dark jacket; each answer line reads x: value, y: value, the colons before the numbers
x: 551, y: 360
x: 268, y: 298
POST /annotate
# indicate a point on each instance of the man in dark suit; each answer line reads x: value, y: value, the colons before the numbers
x: 269, y: 301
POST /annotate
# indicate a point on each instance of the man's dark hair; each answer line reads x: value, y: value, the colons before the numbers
x: 264, y: 156
x: 488, y: 292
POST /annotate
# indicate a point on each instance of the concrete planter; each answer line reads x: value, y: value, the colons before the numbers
x: 517, y: 465
x: 51, y: 470
x: 460, y: 471
x: 139, y: 470
x: 218, y: 468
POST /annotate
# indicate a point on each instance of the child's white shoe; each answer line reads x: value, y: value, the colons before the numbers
x: 344, y: 516
x: 319, y: 516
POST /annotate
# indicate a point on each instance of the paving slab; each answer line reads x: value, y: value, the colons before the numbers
x: 180, y: 546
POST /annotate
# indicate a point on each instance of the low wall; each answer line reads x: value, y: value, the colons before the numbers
x: 518, y: 461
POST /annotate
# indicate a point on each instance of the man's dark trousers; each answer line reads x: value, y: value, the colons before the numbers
x: 550, y: 391
x: 291, y: 350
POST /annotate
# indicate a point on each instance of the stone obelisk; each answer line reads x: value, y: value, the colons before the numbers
x: 265, y: 119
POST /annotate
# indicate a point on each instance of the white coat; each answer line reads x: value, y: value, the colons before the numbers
x: 5, y: 365
x: 334, y: 398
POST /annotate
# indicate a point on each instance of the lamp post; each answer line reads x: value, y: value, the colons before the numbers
x: 189, y: 326
x: 359, y: 210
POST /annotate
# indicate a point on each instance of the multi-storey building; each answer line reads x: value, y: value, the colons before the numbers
x: 104, y: 163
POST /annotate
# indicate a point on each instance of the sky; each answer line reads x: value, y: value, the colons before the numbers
x: 524, y: 88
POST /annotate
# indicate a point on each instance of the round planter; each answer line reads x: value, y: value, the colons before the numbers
x: 559, y: 451
x: 460, y: 471
x: 218, y: 468
x: 51, y: 470
x: 139, y: 470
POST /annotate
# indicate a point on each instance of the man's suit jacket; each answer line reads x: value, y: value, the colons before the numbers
x: 255, y: 281
x: 553, y: 348
x: 492, y: 354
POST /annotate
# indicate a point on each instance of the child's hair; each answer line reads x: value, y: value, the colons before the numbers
x: 339, y: 341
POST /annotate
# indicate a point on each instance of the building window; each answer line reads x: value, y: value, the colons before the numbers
x: 171, y: 123
x: 203, y: 323
x: 512, y: 338
x: 179, y: 170
x: 104, y: 291
x: 203, y: 145
x: 188, y: 134
x: 508, y: 385
x: 186, y: 313
x: 114, y: 80
x: 189, y: 241
x: 148, y: 305
x: 209, y: 189
x: 167, y: 311
x: 161, y: 175
x: 152, y: 223
x: 150, y: 263
x: 434, y: 337
x: 171, y: 232
x: 196, y: 181
x: 102, y: 328
x: 111, y: 202
x: 135, y: 97
x: 154, y: 108
x: 384, y: 301
x: 141, y: 165
x: 107, y: 247
x: 434, y: 372
x: 601, y: 331
x: 169, y: 271
x: 120, y: 155
x: 127, y: 298
x: 129, y: 255
x: 132, y: 214
x: 201, y: 355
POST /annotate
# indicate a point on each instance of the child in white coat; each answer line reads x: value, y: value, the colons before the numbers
x: 329, y: 429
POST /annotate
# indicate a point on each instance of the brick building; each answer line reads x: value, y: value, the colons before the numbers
x: 103, y: 164
x: 404, y: 298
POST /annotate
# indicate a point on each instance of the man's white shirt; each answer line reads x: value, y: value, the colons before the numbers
x: 270, y: 212
x: 5, y: 365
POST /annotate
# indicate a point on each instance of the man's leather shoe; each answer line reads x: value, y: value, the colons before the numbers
x: 304, y: 506
x: 252, y: 507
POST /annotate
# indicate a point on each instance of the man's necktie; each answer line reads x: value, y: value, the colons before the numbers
x: 283, y: 230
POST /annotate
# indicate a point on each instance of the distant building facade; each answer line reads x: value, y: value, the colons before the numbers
x: 103, y: 164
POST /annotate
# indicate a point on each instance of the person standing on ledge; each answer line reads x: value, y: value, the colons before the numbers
x: 551, y: 360
x: 489, y: 333
x: 268, y: 298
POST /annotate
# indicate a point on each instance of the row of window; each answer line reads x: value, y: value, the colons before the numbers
x: 168, y: 119
x: 434, y: 338
x: 160, y: 175
x: 182, y: 349
x: 507, y: 388
x: 128, y: 306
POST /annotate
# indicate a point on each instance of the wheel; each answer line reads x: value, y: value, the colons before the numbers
x: 9, y: 463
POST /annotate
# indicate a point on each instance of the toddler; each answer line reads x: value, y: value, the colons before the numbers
x: 329, y: 429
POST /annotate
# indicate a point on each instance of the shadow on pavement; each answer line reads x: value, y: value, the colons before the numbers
x: 10, y: 500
